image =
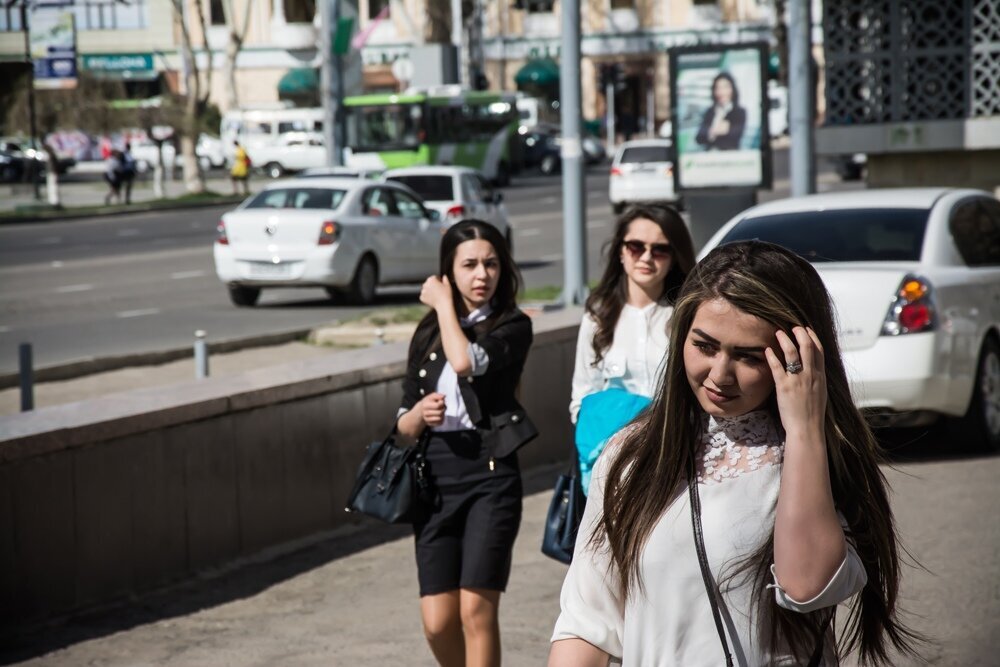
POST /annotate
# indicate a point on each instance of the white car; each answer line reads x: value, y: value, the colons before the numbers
x: 642, y: 171
x: 290, y: 152
x: 340, y: 172
x: 915, y: 279
x: 456, y: 193
x: 208, y: 149
x: 347, y: 235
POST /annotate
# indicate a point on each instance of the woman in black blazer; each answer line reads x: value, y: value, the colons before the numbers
x: 723, y: 123
x: 462, y: 374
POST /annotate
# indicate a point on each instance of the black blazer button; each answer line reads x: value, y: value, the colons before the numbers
x: 434, y: 356
x: 423, y: 372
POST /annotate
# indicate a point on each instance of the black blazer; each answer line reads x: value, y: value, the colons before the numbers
x: 489, y: 398
x: 737, y: 118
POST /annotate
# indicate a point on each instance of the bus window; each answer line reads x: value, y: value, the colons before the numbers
x: 388, y: 127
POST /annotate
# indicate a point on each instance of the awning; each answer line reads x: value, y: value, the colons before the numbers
x: 299, y: 80
x: 543, y: 72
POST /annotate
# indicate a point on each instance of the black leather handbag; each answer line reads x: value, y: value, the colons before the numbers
x: 563, y: 518
x: 392, y: 483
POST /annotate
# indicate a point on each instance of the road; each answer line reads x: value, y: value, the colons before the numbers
x: 131, y: 284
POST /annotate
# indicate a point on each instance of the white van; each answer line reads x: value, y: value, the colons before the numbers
x: 277, y: 139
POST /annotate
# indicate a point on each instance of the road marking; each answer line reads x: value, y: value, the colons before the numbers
x: 529, y: 232
x: 66, y: 289
x: 597, y: 225
x: 50, y: 240
x: 4, y: 328
x: 550, y: 258
x: 594, y: 194
x: 56, y: 264
x: 549, y: 200
x: 137, y: 313
x: 128, y: 232
x: 180, y: 275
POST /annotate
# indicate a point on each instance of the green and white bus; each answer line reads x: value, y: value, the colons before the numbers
x: 438, y: 126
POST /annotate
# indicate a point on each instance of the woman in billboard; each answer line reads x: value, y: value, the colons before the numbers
x: 723, y: 123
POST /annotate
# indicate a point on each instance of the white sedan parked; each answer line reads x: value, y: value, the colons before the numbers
x: 915, y: 279
x: 456, y: 193
x: 642, y: 171
x: 347, y: 235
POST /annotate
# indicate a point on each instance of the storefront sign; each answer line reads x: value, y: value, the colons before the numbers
x: 124, y: 65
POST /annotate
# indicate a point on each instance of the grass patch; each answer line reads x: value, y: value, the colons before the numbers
x: 546, y: 293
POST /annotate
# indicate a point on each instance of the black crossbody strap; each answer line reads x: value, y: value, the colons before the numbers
x: 706, y: 574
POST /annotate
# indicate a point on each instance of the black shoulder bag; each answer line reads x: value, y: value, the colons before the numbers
x: 392, y: 483
x: 563, y: 518
x: 712, y: 588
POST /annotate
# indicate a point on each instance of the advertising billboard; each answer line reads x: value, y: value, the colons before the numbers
x: 53, y: 48
x: 719, y: 107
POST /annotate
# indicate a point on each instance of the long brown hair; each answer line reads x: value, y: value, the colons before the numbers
x: 605, y: 303
x: 651, y: 467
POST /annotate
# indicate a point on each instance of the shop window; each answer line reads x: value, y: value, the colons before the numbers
x: 622, y: 4
x: 376, y: 7
x: 300, y: 11
x: 216, y: 14
x: 535, y: 6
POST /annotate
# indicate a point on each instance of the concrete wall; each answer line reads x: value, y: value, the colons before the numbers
x: 109, y: 497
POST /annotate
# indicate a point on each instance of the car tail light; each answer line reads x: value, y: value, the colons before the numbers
x: 615, y: 171
x: 328, y: 233
x: 220, y: 231
x: 457, y: 211
x: 913, y: 308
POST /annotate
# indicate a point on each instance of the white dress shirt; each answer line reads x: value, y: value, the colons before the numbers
x: 633, y: 360
x: 456, y: 415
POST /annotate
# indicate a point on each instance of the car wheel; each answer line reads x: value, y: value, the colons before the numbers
x: 362, y: 288
x: 549, y: 164
x: 980, y: 427
x: 617, y: 208
x: 243, y: 296
x: 274, y: 170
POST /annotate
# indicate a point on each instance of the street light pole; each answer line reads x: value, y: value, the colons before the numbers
x: 574, y: 205
x: 31, y: 95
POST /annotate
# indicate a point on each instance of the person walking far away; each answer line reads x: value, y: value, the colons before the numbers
x: 623, y: 336
x: 240, y: 171
x: 464, y: 366
x: 113, y: 174
x: 128, y: 171
x: 726, y: 524
x: 723, y: 123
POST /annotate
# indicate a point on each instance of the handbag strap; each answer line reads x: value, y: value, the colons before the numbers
x: 699, y: 544
x: 713, y: 590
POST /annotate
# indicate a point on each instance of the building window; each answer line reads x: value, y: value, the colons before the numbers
x: 535, y: 6
x: 622, y: 4
x: 90, y: 15
x: 216, y: 14
x: 376, y: 7
x: 300, y: 11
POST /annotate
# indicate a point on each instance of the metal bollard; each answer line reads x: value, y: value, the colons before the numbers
x: 200, y: 355
x: 27, y: 375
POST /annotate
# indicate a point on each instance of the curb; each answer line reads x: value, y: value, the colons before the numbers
x: 92, y: 365
x: 71, y: 214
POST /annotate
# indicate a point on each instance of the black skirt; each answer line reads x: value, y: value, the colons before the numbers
x: 468, y: 540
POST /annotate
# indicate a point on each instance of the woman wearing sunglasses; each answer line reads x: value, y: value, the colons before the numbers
x: 623, y: 335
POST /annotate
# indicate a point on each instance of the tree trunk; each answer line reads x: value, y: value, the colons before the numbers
x: 194, y: 180
x: 52, y: 175
x: 233, y: 46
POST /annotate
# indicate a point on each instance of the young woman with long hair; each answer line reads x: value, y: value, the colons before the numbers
x: 464, y: 366
x: 732, y: 517
x: 623, y: 335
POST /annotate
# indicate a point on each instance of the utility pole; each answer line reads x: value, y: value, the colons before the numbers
x: 574, y: 206
x: 456, y: 40
x: 31, y: 97
x: 801, y: 97
x: 332, y: 83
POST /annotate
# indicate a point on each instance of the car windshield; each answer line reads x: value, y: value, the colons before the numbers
x: 297, y: 198
x: 646, y: 154
x: 845, y: 235
x: 431, y: 188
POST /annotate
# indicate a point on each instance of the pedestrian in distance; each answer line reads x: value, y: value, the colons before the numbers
x: 239, y: 174
x: 464, y: 366
x: 726, y: 524
x: 723, y: 123
x: 114, y: 170
x: 128, y: 171
x: 622, y: 340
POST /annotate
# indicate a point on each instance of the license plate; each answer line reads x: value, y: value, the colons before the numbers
x: 270, y: 269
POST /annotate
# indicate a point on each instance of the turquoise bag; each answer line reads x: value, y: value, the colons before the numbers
x: 602, y: 414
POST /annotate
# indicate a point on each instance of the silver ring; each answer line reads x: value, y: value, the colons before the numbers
x: 794, y: 367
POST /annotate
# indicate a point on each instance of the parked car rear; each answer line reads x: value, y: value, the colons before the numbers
x: 642, y: 171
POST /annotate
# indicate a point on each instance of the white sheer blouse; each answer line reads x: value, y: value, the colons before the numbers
x: 670, y: 622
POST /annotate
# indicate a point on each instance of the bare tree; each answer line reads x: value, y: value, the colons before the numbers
x: 237, y: 33
x: 88, y: 107
x: 195, y: 100
x: 437, y: 26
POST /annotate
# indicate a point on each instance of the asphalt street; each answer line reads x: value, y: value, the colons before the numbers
x: 129, y: 284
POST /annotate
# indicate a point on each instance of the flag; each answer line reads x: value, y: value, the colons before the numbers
x: 362, y: 37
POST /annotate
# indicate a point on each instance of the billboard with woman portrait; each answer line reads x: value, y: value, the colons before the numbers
x: 719, y: 107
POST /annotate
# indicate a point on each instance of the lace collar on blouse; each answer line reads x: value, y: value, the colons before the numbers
x: 731, y: 447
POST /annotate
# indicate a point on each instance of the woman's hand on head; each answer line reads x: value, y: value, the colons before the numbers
x: 801, y: 395
x: 436, y: 292
x: 432, y: 408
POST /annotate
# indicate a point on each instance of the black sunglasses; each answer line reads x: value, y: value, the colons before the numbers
x: 637, y: 249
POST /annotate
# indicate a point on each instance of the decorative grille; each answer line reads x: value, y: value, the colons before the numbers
x: 907, y: 60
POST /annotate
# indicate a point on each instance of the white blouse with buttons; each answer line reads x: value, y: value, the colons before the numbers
x: 632, y: 362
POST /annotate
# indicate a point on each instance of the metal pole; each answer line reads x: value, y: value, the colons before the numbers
x: 329, y: 75
x: 200, y: 355
x: 27, y: 375
x: 609, y: 115
x: 456, y: 40
x: 31, y: 99
x: 801, y: 114
x: 574, y: 211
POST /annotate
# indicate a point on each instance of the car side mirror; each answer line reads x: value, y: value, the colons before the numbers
x: 434, y: 215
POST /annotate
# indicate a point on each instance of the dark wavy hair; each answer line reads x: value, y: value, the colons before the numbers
x: 504, y: 300
x: 732, y: 82
x: 651, y: 466
x: 605, y: 303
